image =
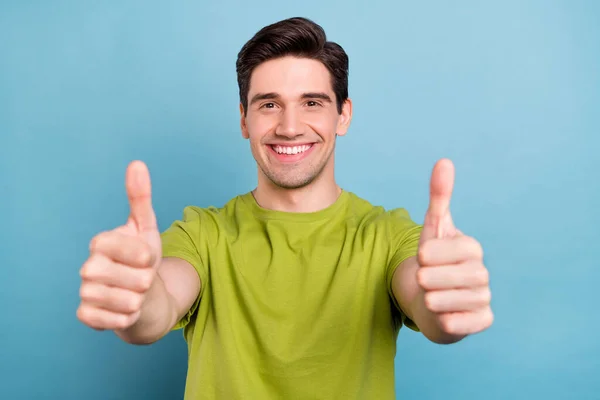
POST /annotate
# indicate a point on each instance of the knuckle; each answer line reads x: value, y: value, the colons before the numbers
x: 132, y: 318
x: 135, y: 252
x: 476, y: 248
x: 120, y: 321
x: 470, y: 244
x: 489, y: 320
x: 87, y: 316
x: 124, y: 321
x: 84, y: 271
x: 483, y: 297
x: 422, y: 277
x: 89, y: 268
x: 429, y: 300
x: 86, y: 291
x: 144, y: 258
x: 447, y: 325
x: 482, y: 276
x: 93, y: 244
x: 81, y: 313
x: 422, y: 254
x: 98, y: 241
x: 487, y: 296
x: 145, y: 282
x: 134, y: 303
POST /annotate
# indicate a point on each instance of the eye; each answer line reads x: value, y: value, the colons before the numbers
x: 268, y: 105
x: 312, y: 103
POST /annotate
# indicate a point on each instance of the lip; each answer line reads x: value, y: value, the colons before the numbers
x: 290, y: 158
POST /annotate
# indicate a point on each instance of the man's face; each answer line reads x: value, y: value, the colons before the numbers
x: 292, y: 120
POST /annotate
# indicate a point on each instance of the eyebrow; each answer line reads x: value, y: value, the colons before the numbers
x: 317, y: 95
x: 274, y: 96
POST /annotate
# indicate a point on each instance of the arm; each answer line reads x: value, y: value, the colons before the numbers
x: 173, y: 291
x: 411, y: 298
x: 444, y: 289
x: 129, y: 284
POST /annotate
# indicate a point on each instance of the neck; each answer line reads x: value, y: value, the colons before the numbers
x: 316, y: 196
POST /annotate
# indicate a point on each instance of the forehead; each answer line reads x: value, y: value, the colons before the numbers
x: 289, y: 76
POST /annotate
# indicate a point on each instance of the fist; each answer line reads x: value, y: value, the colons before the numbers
x: 452, y: 274
x: 122, y: 263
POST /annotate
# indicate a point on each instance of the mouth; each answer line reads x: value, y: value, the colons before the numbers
x: 289, y: 153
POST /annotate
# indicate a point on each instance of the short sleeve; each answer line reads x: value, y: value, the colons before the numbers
x: 403, y: 240
x: 182, y: 240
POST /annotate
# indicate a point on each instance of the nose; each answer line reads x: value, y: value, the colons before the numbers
x: 289, y: 124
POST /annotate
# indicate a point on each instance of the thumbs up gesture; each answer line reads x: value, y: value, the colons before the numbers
x: 122, y: 262
x: 451, y: 270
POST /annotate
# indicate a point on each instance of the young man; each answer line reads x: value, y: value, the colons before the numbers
x: 298, y: 289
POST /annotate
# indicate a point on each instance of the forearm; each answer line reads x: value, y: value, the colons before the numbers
x: 158, y: 316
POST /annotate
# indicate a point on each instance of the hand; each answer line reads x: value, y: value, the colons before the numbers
x: 122, y: 262
x: 452, y: 274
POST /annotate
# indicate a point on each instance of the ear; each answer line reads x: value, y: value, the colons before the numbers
x: 345, y: 118
x: 243, y: 125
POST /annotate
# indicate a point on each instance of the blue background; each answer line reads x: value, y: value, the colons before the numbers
x: 509, y: 90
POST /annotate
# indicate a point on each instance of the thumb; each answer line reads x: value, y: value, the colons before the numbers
x: 139, y: 193
x: 437, y: 219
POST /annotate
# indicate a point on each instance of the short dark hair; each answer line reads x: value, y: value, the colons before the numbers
x: 298, y: 37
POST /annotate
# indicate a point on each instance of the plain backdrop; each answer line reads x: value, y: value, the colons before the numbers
x: 509, y: 90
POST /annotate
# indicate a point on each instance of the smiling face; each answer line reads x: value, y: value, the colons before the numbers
x: 292, y: 121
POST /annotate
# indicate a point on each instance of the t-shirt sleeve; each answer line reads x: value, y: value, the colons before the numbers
x: 403, y: 239
x: 182, y: 240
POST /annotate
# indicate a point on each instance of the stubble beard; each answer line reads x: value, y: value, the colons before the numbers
x: 289, y: 178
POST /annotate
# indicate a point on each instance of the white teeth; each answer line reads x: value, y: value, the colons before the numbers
x: 291, y: 149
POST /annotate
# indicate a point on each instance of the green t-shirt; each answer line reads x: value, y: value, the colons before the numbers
x: 293, y: 305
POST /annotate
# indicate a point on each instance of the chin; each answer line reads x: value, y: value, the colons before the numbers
x: 289, y: 182
x: 292, y: 176
x: 292, y: 184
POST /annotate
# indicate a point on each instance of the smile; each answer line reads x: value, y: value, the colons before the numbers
x: 291, y: 154
x: 291, y: 149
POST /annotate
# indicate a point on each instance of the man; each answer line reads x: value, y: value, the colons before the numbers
x: 298, y: 289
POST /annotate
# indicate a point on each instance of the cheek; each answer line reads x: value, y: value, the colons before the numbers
x: 324, y: 124
x: 259, y: 127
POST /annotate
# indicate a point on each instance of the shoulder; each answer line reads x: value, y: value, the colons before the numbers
x: 210, y: 219
x: 377, y: 214
x: 214, y: 213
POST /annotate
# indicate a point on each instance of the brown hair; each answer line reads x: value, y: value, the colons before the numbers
x: 298, y: 37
